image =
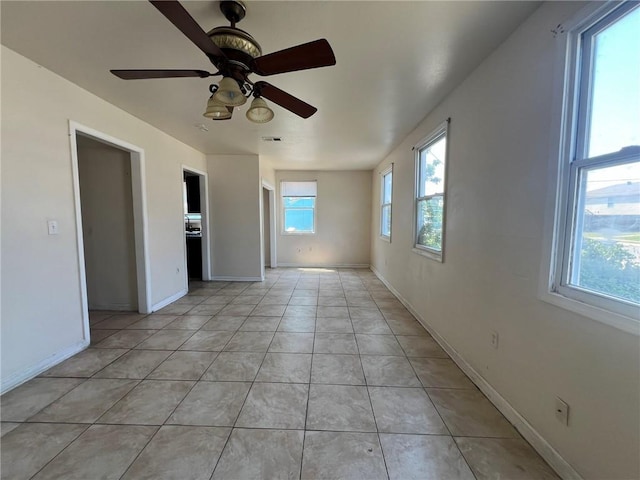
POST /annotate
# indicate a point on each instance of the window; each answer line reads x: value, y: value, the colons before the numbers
x: 385, y: 203
x: 430, y: 193
x: 299, y: 205
x: 598, y: 235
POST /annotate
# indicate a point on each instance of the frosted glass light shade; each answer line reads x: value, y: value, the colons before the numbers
x: 216, y: 110
x: 259, y: 112
x: 229, y: 93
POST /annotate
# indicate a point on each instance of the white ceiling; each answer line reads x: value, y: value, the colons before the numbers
x: 395, y: 62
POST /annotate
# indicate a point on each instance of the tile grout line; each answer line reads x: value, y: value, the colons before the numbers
x: 373, y: 413
x: 239, y: 411
x: 244, y: 400
x: 433, y: 405
x: 61, y: 451
x: 179, y: 403
x: 464, y: 458
x: 306, y: 412
x: 174, y: 409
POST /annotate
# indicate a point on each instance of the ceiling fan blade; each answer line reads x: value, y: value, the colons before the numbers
x: 285, y: 100
x: 142, y: 74
x: 177, y: 15
x: 302, y: 57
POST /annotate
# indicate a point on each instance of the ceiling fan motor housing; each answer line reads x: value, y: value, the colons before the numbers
x: 237, y: 44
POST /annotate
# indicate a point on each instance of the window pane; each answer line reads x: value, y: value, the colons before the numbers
x: 606, y: 250
x: 430, y: 213
x: 386, y: 221
x: 299, y: 202
x: 432, y: 168
x: 298, y: 220
x: 615, y: 99
x: 386, y: 198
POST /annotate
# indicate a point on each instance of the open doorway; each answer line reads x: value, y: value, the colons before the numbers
x: 111, y: 223
x: 268, y: 247
x: 106, y: 201
x: 196, y: 220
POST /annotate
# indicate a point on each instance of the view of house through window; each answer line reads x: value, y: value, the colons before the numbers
x: 385, y: 200
x: 601, y: 241
x: 298, y: 204
x: 430, y: 191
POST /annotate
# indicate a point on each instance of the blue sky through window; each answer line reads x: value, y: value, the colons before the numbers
x: 298, y: 214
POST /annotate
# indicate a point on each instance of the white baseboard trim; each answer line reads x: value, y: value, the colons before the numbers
x: 222, y: 278
x: 114, y: 308
x: 19, y: 378
x: 168, y: 300
x: 530, y: 434
x: 314, y: 265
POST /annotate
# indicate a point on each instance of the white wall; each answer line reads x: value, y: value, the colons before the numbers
x: 343, y: 221
x: 500, y: 141
x: 267, y: 173
x: 235, y: 194
x: 41, y: 308
x: 107, y: 225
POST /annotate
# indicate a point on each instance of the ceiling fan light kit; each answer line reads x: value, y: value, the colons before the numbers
x: 216, y: 110
x: 259, y: 111
x: 236, y: 55
x: 229, y: 93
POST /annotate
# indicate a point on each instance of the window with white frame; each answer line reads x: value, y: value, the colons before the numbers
x: 385, y: 203
x: 430, y: 193
x: 298, y: 206
x: 597, y: 242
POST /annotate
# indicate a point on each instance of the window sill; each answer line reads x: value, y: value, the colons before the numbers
x: 386, y: 238
x: 297, y: 233
x: 616, y: 320
x: 428, y: 253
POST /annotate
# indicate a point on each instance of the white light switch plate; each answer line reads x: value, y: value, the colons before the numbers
x: 52, y: 227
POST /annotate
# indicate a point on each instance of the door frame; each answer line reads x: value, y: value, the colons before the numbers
x: 272, y: 226
x: 140, y: 217
x: 204, y: 226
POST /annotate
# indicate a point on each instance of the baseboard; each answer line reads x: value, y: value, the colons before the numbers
x: 168, y: 300
x: 223, y: 278
x: 19, y: 378
x: 114, y: 308
x: 530, y: 434
x: 314, y: 265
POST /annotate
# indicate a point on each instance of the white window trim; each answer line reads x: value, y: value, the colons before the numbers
x: 282, y: 209
x: 440, y: 130
x: 562, y: 143
x: 384, y: 173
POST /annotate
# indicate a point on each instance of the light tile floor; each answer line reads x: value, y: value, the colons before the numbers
x: 311, y: 374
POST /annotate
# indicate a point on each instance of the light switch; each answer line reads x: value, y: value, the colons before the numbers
x: 52, y: 226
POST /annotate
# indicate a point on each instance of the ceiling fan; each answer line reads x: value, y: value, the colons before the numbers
x: 236, y: 55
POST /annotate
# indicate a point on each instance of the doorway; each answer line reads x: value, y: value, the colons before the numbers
x: 106, y: 202
x: 111, y: 223
x: 268, y: 227
x: 195, y: 198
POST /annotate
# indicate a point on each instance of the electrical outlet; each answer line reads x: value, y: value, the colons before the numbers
x: 562, y: 411
x: 494, y: 339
